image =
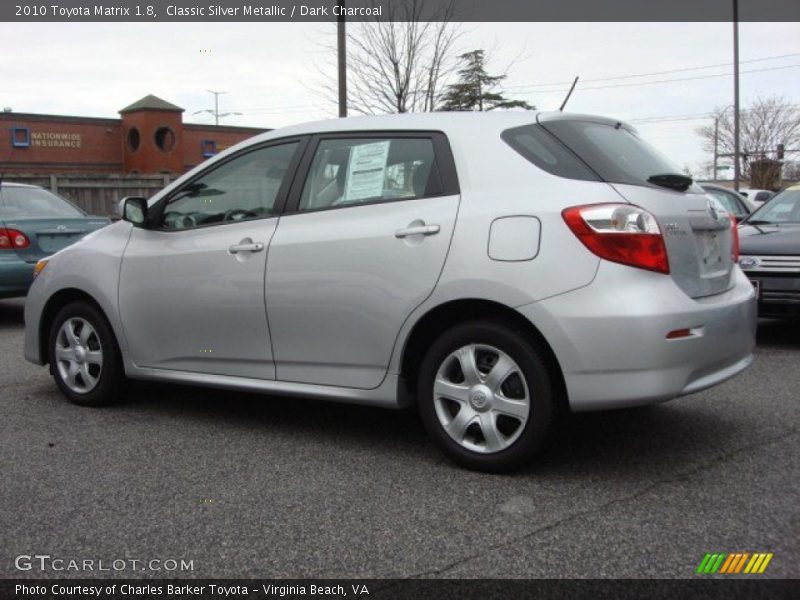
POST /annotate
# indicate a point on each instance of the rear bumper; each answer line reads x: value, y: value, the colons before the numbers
x: 16, y: 276
x: 610, y: 337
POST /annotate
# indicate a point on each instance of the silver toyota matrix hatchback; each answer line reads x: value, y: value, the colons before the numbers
x: 488, y: 268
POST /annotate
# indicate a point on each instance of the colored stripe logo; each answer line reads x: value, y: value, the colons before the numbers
x: 734, y: 562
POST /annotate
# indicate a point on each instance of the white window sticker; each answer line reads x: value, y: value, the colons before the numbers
x: 366, y: 172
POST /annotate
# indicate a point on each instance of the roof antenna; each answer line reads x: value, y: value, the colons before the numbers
x: 563, y: 104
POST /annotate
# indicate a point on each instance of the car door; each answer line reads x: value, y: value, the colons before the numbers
x: 363, y: 243
x: 191, y: 287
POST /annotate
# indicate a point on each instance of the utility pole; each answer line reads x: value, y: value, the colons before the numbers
x: 736, y: 168
x: 215, y: 112
x: 216, y: 105
x: 341, y: 46
x: 716, y: 147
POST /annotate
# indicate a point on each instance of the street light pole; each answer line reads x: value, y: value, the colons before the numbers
x: 736, y: 173
x: 216, y: 105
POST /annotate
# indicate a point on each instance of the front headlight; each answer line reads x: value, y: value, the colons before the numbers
x: 39, y: 267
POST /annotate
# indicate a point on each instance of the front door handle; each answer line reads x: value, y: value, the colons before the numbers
x: 417, y: 230
x: 246, y: 247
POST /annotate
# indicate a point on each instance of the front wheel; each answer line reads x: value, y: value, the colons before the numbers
x: 84, y: 356
x: 485, y: 396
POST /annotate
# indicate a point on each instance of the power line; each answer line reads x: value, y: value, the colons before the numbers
x: 287, y: 106
x: 637, y: 75
x: 620, y: 85
x: 696, y: 116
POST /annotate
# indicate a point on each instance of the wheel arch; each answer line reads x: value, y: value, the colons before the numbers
x: 445, y: 316
x: 54, y: 304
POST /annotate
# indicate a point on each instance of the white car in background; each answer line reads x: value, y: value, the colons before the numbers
x: 756, y: 197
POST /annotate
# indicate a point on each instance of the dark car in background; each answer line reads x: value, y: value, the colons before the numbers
x: 734, y: 203
x: 35, y: 223
x: 770, y: 254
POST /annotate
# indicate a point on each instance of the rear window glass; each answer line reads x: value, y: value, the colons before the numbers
x: 34, y: 203
x: 763, y: 196
x: 727, y: 200
x: 546, y: 152
x: 614, y: 152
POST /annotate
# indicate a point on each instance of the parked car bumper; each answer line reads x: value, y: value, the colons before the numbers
x: 611, y: 337
x: 778, y: 294
x: 34, y: 307
x: 16, y: 276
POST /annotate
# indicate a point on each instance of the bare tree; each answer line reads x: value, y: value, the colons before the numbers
x: 400, y: 62
x: 791, y: 171
x: 766, y: 123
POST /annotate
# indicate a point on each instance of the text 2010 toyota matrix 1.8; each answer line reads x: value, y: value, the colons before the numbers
x: 489, y: 268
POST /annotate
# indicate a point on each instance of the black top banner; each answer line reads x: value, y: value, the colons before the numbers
x: 400, y: 10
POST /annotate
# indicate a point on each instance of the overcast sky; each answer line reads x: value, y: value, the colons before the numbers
x: 271, y: 72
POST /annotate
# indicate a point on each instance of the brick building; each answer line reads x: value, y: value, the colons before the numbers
x: 149, y: 138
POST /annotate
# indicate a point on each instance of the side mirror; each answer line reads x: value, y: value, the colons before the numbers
x: 134, y: 210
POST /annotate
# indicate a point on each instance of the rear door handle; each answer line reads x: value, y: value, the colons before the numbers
x: 246, y: 247
x: 417, y: 230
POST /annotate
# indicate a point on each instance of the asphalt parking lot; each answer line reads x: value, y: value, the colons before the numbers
x: 252, y: 486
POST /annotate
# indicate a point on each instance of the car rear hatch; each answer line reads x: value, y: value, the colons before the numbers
x: 697, y: 232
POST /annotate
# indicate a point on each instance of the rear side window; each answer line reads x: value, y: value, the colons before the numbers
x: 347, y: 172
x: 538, y: 146
x: 34, y: 203
x: 614, y: 152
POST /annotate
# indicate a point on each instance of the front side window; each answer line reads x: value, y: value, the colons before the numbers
x: 244, y: 188
x: 348, y: 172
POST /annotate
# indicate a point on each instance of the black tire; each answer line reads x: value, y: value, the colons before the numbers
x: 111, y: 376
x: 539, y: 387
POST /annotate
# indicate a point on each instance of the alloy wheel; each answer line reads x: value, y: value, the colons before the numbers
x: 79, y: 355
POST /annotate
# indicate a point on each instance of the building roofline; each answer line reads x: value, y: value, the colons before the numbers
x: 151, y: 102
x: 15, y: 116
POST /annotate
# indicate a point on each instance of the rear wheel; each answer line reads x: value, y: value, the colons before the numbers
x: 485, y: 396
x: 84, y: 356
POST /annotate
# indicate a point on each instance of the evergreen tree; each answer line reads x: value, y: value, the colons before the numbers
x: 475, y: 89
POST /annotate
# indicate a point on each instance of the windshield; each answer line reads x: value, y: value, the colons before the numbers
x: 615, y: 152
x: 783, y: 208
x: 34, y: 203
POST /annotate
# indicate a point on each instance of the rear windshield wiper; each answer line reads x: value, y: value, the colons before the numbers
x: 672, y: 181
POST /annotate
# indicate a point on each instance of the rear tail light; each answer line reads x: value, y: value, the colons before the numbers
x: 621, y: 233
x: 11, y: 239
x: 735, y: 237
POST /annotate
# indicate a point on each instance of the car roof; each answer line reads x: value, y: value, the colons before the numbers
x: 15, y: 184
x: 448, y: 122
x: 716, y: 186
x: 455, y: 124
